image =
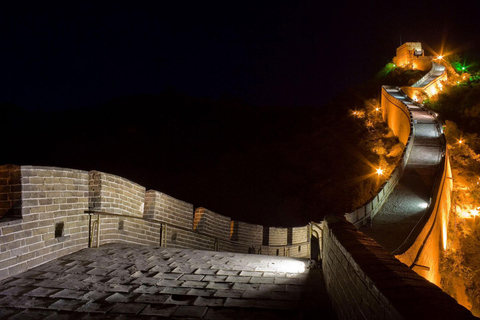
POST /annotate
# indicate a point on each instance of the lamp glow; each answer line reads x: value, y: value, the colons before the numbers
x: 379, y: 171
x: 289, y: 266
x: 423, y: 205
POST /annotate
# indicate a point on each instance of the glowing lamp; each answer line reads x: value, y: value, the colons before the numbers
x: 379, y: 171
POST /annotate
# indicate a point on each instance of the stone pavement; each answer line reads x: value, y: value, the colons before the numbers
x: 123, y: 281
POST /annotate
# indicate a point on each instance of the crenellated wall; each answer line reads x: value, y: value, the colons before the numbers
x: 52, y: 222
x: 47, y: 212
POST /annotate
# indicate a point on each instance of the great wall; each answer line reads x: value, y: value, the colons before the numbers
x: 49, y: 212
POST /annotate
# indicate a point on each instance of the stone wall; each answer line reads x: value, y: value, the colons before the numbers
x: 48, y: 212
x: 115, y: 194
x: 424, y: 254
x: 399, y: 118
x: 52, y: 223
x: 365, y: 281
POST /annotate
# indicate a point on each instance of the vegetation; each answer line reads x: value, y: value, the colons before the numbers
x: 459, y: 105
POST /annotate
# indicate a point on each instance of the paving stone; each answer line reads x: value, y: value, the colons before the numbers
x: 279, y: 280
x: 245, y: 286
x: 201, y: 292
x: 98, y: 271
x: 129, y: 308
x: 121, y: 297
x: 209, y: 301
x: 16, y: 291
x: 41, y: 292
x: 160, y: 268
x: 78, y: 269
x: 228, y: 272
x: 66, y: 304
x: 159, y: 310
x: 229, y: 293
x: 169, y: 283
x: 167, y: 276
x: 21, y: 282
x: 205, y: 271
x: 273, y: 287
x: 175, y: 290
x: 298, y: 288
x: 95, y: 279
x: 243, y: 303
x: 69, y: 294
x: 257, y: 294
x: 237, y: 279
x: 181, y: 299
x: 148, y: 289
x: 119, y: 288
x: 119, y: 280
x: 32, y: 315
x: 152, y: 298
x: 215, y: 278
x: 219, y: 285
x: 265, y: 269
x: 96, y: 307
x: 31, y: 302
x: 95, y: 295
x: 8, y: 312
x: 222, y: 314
x: 182, y: 269
x: 190, y: 311
x: 195, y: 284
x: 191, y: 277
x: 261, y: 280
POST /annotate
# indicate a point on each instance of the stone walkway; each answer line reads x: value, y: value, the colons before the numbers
x: 120, y: 281
x: 397, y: 223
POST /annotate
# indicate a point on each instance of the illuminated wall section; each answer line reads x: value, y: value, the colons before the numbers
x: 424, y: 254
x: 396, y: 115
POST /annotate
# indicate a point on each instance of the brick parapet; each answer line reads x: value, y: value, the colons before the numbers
x: 162, y: 207
x: 365, y: 281
x: 115, y: 194
x: 211, y: 223
x: 52, y: 221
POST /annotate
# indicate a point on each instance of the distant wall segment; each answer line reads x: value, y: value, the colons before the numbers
x: 398, y: 116
x: 48, y: 212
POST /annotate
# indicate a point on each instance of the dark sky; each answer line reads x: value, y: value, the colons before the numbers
x: 290, y: 53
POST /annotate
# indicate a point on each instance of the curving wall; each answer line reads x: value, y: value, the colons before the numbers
x: 396, y: 113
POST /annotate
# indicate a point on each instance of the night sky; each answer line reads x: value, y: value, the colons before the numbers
x: 288, y: 53
x: 284, y: 55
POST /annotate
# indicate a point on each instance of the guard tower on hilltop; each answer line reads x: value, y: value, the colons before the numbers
x: 411, y: 54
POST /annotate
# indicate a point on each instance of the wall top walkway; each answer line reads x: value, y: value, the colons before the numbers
x: 140, y: 282
x: 406, y: 206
